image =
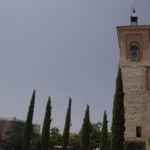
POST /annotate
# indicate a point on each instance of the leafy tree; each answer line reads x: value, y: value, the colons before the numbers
x: 95, y: 136
x: 66, y: 132
x: 86, y: 131
x: 55, y: 137
x: 46, y: 126
x: 28, y: 124
x: 118, y: 120
x: 75, y: 141
x: 104, y: 144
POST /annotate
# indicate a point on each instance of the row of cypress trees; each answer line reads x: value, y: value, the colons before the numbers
x: 118, y: 121
x: 86, y: 132
x: 28, y: 130
x: 46, y: 125
x: 117, y: 132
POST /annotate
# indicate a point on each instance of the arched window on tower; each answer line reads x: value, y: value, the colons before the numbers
x: 134, y: 52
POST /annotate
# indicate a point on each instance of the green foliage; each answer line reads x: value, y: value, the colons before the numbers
x: 66, y: 132
x: 28, y: 124
x: 95, y: 137
x: 75, y: 141
x: 118, y: 128
x: 86, y: 131
x: 36, y: 141
x: 46, y: 126
x: 104, y: 144
x: 55, y: 137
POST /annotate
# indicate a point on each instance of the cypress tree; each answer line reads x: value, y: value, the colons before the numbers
x: 46, y: 126
x: 104, y: 145
x: 86, y: 130
x: 118, y: 116
x: 28, y: 130
x: 66, y: 131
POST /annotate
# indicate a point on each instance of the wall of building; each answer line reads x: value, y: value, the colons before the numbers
x: 137, y: 97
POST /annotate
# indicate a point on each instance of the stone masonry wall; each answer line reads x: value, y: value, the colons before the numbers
x: 137, y: 97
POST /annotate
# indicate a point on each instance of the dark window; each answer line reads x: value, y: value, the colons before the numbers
x: 147, y: 81
x: 138, y: 131
x: 134, y: 52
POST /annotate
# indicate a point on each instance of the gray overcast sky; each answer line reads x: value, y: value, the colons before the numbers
x: 61, y: 48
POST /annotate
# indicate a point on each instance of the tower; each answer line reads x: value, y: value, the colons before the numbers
x: 134, y: 44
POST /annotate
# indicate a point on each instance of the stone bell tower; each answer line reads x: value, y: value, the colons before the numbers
x: 134, y: 44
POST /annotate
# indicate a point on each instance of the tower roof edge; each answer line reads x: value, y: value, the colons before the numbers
x: 131, y: 27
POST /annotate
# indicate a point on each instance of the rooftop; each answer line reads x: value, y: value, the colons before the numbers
x: 130, y: 27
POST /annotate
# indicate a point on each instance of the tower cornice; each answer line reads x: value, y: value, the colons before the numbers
x: 131, y: 27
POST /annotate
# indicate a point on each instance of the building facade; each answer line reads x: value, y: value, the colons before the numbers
x: 134, y: 44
